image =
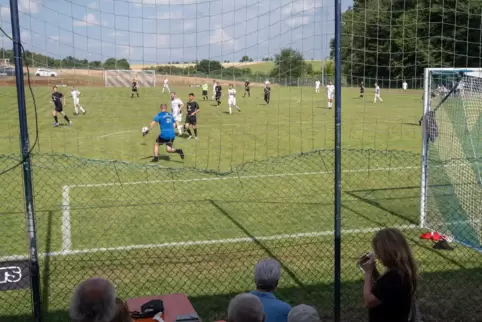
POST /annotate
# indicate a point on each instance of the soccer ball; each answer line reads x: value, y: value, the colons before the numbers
x: 144, y: 129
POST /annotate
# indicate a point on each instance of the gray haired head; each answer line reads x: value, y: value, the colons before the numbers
x: 267, y: 274
x: 245, y: 307
x: 93, y: 300
x: 303, y: 313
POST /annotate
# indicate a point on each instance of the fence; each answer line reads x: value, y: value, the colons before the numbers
x: 200, y: 229
x: 125, y: 222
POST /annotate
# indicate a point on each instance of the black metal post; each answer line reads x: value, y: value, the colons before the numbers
x: 337, y: 194
x: 27, y: 171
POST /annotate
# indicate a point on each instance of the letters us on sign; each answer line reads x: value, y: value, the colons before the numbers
x: 14, y: 275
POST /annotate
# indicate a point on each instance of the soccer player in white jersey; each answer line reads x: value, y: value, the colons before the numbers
x: 405, y: 86
x: 232, y: 98
x: 317, y: 86
x: 377, y: 94
x: 75, y: 96
x: 330, y: 90
x: 176, y: 107
x: 166, y: 86
x: 215, y: 84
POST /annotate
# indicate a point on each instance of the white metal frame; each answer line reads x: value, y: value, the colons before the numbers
x: 149, y: 71
x: 474, y: 72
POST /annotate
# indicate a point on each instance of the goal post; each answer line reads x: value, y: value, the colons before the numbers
x: 123, y: 78
x: 451, y: 182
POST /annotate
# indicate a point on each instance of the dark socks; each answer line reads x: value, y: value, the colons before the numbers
x: 189, y: 132
x: 56, y: 119
x: 66, y: 118
x: 195, y: 132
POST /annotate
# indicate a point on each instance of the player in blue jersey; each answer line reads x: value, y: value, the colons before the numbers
x: 167, y: 125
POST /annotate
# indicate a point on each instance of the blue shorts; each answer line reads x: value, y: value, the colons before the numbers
x: 166, y: 141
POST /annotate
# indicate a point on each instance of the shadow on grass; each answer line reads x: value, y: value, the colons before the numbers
x: 444, y: 296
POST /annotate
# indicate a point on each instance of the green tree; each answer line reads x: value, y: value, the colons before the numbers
x: 209, y: 66
x: 245, y: 59
x: 390, y: 39
x: 123, y: 64
x: 289, y: 63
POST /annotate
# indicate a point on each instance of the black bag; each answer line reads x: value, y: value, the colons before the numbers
x: 149, y: 309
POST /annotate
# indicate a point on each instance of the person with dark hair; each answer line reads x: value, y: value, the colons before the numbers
x: 58, y: 100
x: 390, y: 295
x: 191, y: 117
x: 134, y: 88
x: 267, y: 274
x: 122, y: 312
x: 93, y: 300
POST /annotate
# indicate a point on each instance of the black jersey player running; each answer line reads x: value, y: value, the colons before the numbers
x: 134, y: 88
x: 246, y: 89
x: 218, y: 89
x: 362, y: 90
x: 59, y: 101
x: 191, y: 118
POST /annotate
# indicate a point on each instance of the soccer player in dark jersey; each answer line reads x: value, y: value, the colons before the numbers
x: 59, y: 101
x: 218, y: 90
x: 191, y: 118
x: 246, y: 89
x: 134, y: 88
x: 267, y: 93
x: 167, y: 136
x: 362, y: 90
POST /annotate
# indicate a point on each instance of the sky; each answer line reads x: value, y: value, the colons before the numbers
x: 162, y: 31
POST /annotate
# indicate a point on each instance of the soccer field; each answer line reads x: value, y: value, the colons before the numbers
x: 257, y: 183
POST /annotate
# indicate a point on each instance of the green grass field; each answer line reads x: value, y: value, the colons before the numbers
x: 256, y: 184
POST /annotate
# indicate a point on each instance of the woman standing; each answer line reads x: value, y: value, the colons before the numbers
x: 389, y: 295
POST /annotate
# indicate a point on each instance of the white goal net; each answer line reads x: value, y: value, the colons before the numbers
x: 123, y: 78
x: 452, y: 183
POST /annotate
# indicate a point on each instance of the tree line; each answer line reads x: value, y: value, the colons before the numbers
x: 398, y: 39
x: 289, y: 63
x: 39, y: 60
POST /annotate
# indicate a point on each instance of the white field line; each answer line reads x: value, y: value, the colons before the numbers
x: 241, y: 177
x: 114, y: 133
x: 66, y: 229
x: 205, y: 242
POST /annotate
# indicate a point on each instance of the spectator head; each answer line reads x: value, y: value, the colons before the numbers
x: 94, y: 300
x: 392, y: 250
x: 122, y: 312
x: 245, y: 308
x: 303, y: 313
x: 267, y: 274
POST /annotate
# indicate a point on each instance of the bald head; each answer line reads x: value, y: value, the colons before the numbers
x: 303, y: 313
x: 245, y: 308
x: 93, y: 300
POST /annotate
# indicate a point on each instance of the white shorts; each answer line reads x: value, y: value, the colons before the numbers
x: 232, y: 101
x: 330, y: 96
x: 76, y: 101
x: 405, y: 88
x: 178, y: 118
x: 166, y: 85
x: 317, y: 88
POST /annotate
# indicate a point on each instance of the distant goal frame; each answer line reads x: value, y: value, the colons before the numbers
x: 132, y: 73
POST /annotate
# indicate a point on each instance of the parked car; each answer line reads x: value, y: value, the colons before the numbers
x: 7, y: 71
x: 45, y: 72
